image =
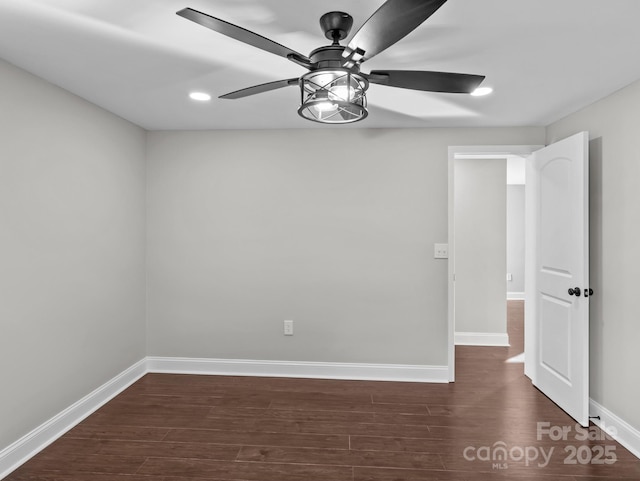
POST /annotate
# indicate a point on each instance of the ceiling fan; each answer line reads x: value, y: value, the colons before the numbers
x: 334, y: 89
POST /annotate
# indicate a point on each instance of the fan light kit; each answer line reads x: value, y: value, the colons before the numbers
x: 333, y: 96
x: 334, y: 89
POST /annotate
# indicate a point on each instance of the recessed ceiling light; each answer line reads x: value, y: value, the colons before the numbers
x: 201, y: 96
x: 481, y: 91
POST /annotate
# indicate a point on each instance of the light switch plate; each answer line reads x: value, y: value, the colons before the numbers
x: 441, y: 251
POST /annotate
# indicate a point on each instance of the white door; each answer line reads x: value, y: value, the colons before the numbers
x: 557, y: 290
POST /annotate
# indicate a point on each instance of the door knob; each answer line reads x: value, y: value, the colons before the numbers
x: 575, y: 291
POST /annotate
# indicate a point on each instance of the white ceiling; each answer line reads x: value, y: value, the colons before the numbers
x: 136, y: 58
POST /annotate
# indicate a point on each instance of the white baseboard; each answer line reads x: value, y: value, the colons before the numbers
x: 618, y: 428
x: 323, y: 370
x: 481, y: 339
x: 515, y: 296
x: 29, y: 445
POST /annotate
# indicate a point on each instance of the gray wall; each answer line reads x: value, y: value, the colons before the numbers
x: 331, y: 228
x: 71, y: 249
x: 480, y: 230
x: 515, y: 237
x: 614, y: 239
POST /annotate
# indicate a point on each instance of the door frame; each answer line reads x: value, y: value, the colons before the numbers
x: 476, y: 152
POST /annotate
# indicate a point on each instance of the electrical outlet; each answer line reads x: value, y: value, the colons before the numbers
x: 288, y: 328
x: 441, y: 251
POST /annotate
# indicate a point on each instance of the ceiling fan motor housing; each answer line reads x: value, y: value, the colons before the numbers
x: 329, y: 57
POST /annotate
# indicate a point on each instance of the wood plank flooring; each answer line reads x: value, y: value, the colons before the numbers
x: 211, y: 428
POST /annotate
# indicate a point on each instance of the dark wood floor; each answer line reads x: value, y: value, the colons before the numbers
x: 199, y: 428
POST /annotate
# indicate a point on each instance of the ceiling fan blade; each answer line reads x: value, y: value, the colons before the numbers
x: 243, y: 35
x: 457, y: 83
x: 391, y: 22
x: 258, y: 89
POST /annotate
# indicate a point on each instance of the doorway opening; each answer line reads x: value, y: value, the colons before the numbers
x: 468, y: 255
